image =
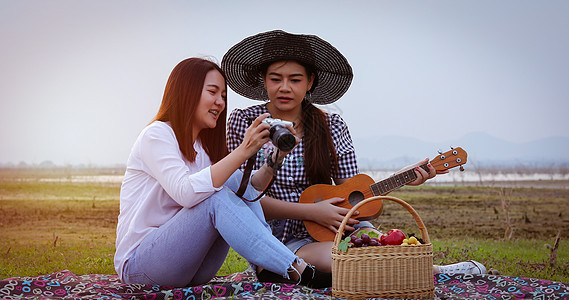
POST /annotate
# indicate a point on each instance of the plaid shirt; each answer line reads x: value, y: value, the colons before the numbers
x: 291, y: 179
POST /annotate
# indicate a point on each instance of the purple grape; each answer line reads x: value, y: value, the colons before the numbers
x: 358, y: 242
x: 353, y: 238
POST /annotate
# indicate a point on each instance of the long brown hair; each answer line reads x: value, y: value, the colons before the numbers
x: 320, y: 166
x: 317, y: 139
x: 181, y: 97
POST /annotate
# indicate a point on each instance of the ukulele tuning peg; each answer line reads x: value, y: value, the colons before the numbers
x: 440, y: 151
x: 461, y: 169
x: 451, y: 147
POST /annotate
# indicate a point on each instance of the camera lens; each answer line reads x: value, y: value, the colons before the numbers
x: 282, y: 138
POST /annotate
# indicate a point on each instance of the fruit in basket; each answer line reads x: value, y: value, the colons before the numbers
x: 365, y: 238
x: 374, y: 242
x: 392, y: 237
x: 413, y: 241
x: 358, y: 242
x: 370, y: 231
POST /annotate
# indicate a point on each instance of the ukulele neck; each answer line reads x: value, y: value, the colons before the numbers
x: 394, y: 182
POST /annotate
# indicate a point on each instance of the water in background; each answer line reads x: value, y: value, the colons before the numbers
x: 505, y: 179
x: 536, y: 179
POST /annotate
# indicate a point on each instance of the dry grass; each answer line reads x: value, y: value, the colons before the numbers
x: 51, y: 226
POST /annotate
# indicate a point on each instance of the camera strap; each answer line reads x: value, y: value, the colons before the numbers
x: 247, y: 174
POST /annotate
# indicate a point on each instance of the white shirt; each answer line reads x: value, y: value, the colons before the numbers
x: 158, y: 182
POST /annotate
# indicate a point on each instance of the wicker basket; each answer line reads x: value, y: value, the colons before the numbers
x: 383, y: 271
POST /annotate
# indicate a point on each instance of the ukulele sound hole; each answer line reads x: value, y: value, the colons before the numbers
x: 355, y: 197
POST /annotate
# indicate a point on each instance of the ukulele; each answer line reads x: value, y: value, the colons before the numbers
x: 362, y: 186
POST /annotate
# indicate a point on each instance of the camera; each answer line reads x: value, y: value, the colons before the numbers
x: 281, y: 137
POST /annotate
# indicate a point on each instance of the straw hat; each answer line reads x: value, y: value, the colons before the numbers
x: 244, y: 62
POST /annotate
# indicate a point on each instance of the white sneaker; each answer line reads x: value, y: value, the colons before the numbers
x: 465, y: 267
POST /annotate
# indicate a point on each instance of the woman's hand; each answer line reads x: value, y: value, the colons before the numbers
x: 255, y: 136
x: 331, y: 216
x: 262, y: 177
x: 422, y: 175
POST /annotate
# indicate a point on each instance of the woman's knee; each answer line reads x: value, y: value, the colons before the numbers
x: 318, y: 254
x: 225, y: 199
x: 234, y: 180
x: 234, y: 183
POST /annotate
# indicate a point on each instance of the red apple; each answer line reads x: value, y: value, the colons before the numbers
x: 392, y: 237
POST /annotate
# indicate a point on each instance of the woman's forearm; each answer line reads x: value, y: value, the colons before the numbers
x: 262, y: 177
x: 278, y: 209
x: 222, y: 170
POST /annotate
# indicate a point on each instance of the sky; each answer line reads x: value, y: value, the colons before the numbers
x: 79, y: 79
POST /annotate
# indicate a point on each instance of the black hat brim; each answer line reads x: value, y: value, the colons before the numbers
x: 243, y: 61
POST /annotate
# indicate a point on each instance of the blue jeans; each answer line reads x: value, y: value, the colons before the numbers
x: 190, y: 248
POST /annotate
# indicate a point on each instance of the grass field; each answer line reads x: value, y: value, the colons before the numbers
x: 52, y: 226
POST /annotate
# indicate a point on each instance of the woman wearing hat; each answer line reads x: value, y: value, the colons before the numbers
x: 178, y: 212
x: 292, y: 72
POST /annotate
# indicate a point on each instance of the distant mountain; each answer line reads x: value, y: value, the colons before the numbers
x: 482, y: 148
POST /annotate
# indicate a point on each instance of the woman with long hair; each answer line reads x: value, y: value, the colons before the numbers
x: 292, y: 73
x: 178, y: 211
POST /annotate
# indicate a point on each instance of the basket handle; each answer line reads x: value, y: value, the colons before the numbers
x: 420, y: 224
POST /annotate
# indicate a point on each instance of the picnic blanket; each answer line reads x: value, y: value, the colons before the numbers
x: 244, y: 285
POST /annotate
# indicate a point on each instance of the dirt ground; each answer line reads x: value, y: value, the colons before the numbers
x: 534, y: 213
x: 536, y: 210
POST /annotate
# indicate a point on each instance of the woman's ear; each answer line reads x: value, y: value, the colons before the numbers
x: 310, y: 82
x: 264, y: 80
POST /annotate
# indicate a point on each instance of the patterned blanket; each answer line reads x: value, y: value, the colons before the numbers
x: 67, y: 285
